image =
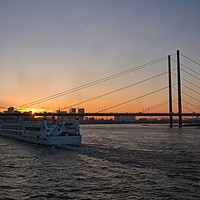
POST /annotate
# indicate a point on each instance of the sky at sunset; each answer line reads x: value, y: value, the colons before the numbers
x: 51, y: 46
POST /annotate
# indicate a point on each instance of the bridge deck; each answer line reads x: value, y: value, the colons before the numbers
x: 102, y: 114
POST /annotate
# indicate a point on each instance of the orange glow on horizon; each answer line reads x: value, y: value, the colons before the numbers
x: 105, y: 106
x: 33, y: 110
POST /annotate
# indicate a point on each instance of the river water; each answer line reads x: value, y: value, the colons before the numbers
x: 113, y: 162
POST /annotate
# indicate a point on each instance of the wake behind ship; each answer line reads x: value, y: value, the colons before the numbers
x: 43, y: 132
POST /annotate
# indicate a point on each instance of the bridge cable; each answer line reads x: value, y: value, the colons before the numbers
x: 191, y: 89
x: 190, y: 59
x: 191, y: 74
x: 188, y: 95
x: 94, y: 82
x: 158, y: 105
x: 191, y: 104
x: 187, y: 81
x: 191, y: 96
x: 128, y: 101
x: 114, y: 91
x: 189, y: 69
x: 184, y: 107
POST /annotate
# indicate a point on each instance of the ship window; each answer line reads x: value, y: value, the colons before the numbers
x: 33, y: 128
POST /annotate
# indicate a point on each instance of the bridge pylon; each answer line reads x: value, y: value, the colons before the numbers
x: 179, y: 89
x: 170, y: 92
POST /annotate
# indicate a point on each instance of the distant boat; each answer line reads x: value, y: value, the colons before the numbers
x: 43, y: 132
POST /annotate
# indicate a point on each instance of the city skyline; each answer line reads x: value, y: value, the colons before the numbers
x: 48, y: 47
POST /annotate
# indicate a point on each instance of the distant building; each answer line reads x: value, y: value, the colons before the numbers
x: 72, y: 110
x: 10, y: 110
x: 81, y: 110
x: 62, y: 118
x: 124, y: 118
x: 59, y: 111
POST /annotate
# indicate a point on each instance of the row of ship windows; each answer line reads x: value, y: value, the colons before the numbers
x: 20, y: 128
x: 12, y: 127
x: 33, y: 128
x: 12, y: 132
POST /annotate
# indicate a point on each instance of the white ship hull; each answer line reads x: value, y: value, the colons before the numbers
x: 54, y: 134
x: 51, y: 141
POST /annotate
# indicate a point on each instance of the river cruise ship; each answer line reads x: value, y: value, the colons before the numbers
x: 43, y: 132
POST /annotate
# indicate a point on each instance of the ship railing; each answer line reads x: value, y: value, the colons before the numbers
x: 54, y: 131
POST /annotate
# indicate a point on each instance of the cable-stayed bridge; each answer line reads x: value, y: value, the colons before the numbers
x: 182, y: 71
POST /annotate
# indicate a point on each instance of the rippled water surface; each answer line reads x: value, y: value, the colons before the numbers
x: 113, y: 162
